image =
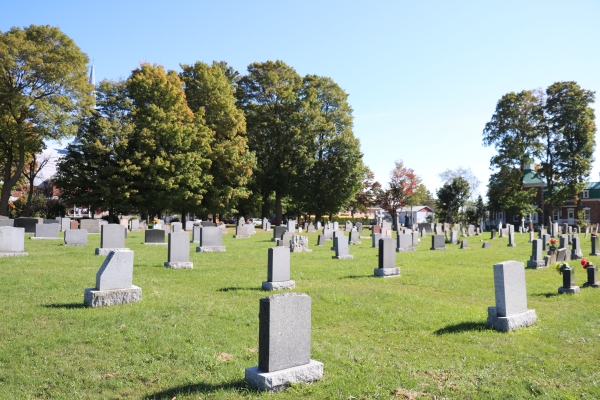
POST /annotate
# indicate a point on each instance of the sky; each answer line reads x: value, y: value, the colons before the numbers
x: 423, y: 77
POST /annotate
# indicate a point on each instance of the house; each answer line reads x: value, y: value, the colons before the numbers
x: 416, y: 215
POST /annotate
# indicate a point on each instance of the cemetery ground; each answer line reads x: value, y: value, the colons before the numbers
x: 421, y: 335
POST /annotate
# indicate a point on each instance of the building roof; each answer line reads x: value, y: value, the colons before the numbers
x: 592, y: 185
x: 532, y: 178
x: 415, y: 209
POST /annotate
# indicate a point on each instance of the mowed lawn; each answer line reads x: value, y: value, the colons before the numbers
x: 422, y: 335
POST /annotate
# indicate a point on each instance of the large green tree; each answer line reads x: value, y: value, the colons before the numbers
x: 337, y: 170
x: 92, y: 173
x: 269, y: 95
x: 169, y: 148
x: 210, y: 95
x: 452, y: 197
x: 43, y: 90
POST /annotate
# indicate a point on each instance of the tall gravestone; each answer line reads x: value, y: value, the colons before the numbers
x: 595, y: 248
x: 114, y: 282
x: 278, y: 270
x: 284, y: 337
x: 291, y: 226
x: 241, y: 232
x: 336, y: 234
x: 464, y: 244
x: 341, y: 248
x: 12, y: 241
x: 454, y: 237
x: 387, y: 260
x: 576, y: 253
x: 196, y: 233
x: 510, y: 311
x: 65, y: 224
x: 134, y: 225
x: 321, y: 240
x: 176, y: 226
x: 179, y: 251
x: 511, y: 240
x: 112, y: 237
x: 211, y: 240
x: 536, y: 261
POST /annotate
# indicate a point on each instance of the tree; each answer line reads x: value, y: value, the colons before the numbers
x: 269, y: 96
x: 452, y: 198
x: 30, y: 172
x: 506, y: 192
x: 365, y: 197
x: 169, y: 147
x: 463, y: 172
x: 43, y: 90
x: 210, y: 96
x: 93, y: 171
x: 403, y: 183
x: 336, y: 172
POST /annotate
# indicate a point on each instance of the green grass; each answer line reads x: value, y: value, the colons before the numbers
x: 420, y: 335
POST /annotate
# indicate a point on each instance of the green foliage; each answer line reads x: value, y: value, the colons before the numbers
x: 505, y: 192
x: 451, y: 199
x: 402, y: 185
x: 41, y: 207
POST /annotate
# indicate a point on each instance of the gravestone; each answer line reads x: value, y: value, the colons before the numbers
x: 359, y: 227
x: 278, y: 231
x: 415, y: 240
x: 176, y: 226
x: 284, y: 344
x: 12, y: 241
x: 375, y: 239
x: 536, y: 261
x: 264, y: 224
x: 155, y: 237
x: 561, y: 255
x: 114, y: 282
x: 404, y: 242
x: 112, y: 236
x: 386, y: 226
x: 564, y: 241
x: 196, y: 229
x: 28, y: 223
x: 595, y: 249
x: 511, y: 311
x: 427, y: 226
x: 250, y: 229
x: 348, y: 226
x: 511, y: 240
x: 75, y: 237
x: 335, y: 226
x: 208, y: 223
x: 438, y: 242
x: 545, y: 240
x: 46, y: 231
x: 299, y: 244
x: 74, y: 224
x: 376, y: 229
x: 354, y: 238
x: 179, y: 251
x: 211, y: 240
x: 291, y: 226
x: 464, y: 244
x: 134, y: 225
x: 7, y: 222
x: 65, y: 224
x: 311, y: 228
x: 278, y: 270
x: 341, y: 248
x: 568, y: 286
x: 241, y: 222
x: 471, y: 230
x: 555, y: 229
x: 90, y: 225
x: 485, y: 245
x: 387, y: 260
x: 530, y: 236
x: 321, y: 240
x: 335, y: 235
x: 423, y: 232
x: 576, y: 253
x: 493, y: 235
x: 454, y: 237
x: 565, y: 229
x: 285, y: 240
x: 241, y: 232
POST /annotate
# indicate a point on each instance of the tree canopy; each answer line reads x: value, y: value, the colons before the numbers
x: 452, y: 197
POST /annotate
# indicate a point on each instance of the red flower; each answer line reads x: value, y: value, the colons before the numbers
x: 585, y: 263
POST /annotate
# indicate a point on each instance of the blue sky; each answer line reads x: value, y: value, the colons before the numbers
x: 423, y: 77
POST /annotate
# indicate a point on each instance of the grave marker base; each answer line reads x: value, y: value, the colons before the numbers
x: 210, y: 249
x: 274, y: 381
x: 102, y: 251
x: 404, y: 249
x: 386, y: 272
x: 506, y: 324
x: 179, y: 265
x: 539, y: 264
x: 568, y: 290
x: 595, y: 285
x: 278, y: 285
x: 364, y: 237
x: 74, y: 244
x: 356, y: 242
x: 157, y: 244
x: 102, y: 298
x: 44, y: 238
x: 13, y: 254
x: 348, y: 257
x: 241, y: 236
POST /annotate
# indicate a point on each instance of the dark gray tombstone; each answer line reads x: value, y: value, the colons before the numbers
x: 28, y: 223
x: 207, y: 223
x: 12, y: 241
x: 284, y: 344
x: 438, y: 242
x: 511, y: 311
x: 594, y: 252
x: 46, y: 231
x: 576, y: 253
x: 341, y: 248
x: 545, y: 239
x: 75, y: 237
x: 112, y: 236
x: 179, y: 251
x: 114, y: 282
x: 387, y: 260
x: 493, y: 234
x: 278, y: 270
x: 536, y: 261
x: 511, y: 240
x: 359, y: 227
x: 211, y: 240
x: 278, y: 231
x: 155, y: 237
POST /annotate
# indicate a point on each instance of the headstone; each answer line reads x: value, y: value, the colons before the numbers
x: 531, y: 236
x: 90, y: 225
x: 176, y: 226
x: 299, y: 244
x: 592, y: 276
x: 284, y: 344
x: 376, y: 229
x: 471, y: 230
x: 211, y: 240
x: 354, y: 238
x: 485, y: 245
x: 74, y: 224
x: 336, y: 234
x: 454, y: 237
x: 493, y: 236
x: 545, y: 239
x: 568, y: 286
x: 321, y: 240
x: 46, y: 231
x: 438, y: 242
x: 76, y: 237
x: 375, y: 239
x: 536, y: 261
x: 348, y: 226
x: 565, y: 229
x: 179, y: 251
x: 359, y: 227
x: 387, y: 260
x: 285, y: 240
x: 318, y: 225
x: 28, y: 223
x: 511, y: 240
x: 576, y: 253
x: 404, y: 242
x: 278, y: 270
x: 336, y: 226
x: 112, y: 236
x: 208, y: 223
x: 595, y: 248
x: 7, y: 222
x: 415, y: 239
x: 12, y: 241
x: 155, y: 237
x: 114, y: 282
x: 264, y: 224
x: 386, y: 226
x: 65, y: 224
x: 555, y: 229
x: 278, y: 231
x: 241, y: 222
x: 241, y: 232
x: 511, y: 311
x: 564, y: 241
x: 196, y: 229
x: 134, y: 225
x: 427, y: 226
x: 464, y: 244
x: 561, y: 255
x: 511, y: 229
x: 341, y: 248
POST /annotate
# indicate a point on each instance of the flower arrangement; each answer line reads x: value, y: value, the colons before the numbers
x: 156, y: 220
x: 585, y: 263
x: 552, y: 244
x: 562, y: 266
x: 594, y: 234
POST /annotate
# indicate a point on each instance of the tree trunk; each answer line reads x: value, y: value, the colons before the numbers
x: 9, y: 181
x: 317, y: 217
x: 265, y: 206
x: 183, y: 219
x: 278, y: 209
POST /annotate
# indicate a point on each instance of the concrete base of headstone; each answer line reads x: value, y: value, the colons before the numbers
x: 45, y: 238
x: 348, y: 257
x: 594, y: 285
x: 210, y: 249
x: 179, y: 265
x: 437, y: 248
x: 157, y: 244
x: 404, y: 249
x: 511, y: 245
x: 13, y: 253
x: 134, y: 230
x: 74, y: 244
x: 300, y: 250
x: 364, y: 237
x: 539, y: 264
x: 106, y: 251
x: 278, y: 285
x: 386, y: 272
x: 356, y: 242
x: 241, y: 236
x: 515, y: 321
x: 568, y: 290
x: 274, y: 381
x: 101, y: 298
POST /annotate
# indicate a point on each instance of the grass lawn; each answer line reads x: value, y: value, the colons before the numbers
x: 422, y: 335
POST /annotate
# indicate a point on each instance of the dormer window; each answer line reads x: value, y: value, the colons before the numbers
x: 586, y: 194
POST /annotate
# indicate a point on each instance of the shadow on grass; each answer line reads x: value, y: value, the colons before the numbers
x: 356, y: 276
x: 66, y: 306
x: 463, y: 327
x: 234, y: 289
x: 546, y: 295
x: 195, y: 389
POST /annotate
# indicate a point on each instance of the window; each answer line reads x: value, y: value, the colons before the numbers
x: 556, y: 216
x: 586, y: 194
x: 586, y: 214
x: 501, y: 215
x: 515, y: 219
x: 571, y: 213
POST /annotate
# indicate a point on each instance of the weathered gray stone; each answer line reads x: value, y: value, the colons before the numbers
x: 438, y: 242
x: 291, y: 226
x: 454, y: 237
x: 46, y: 231
x: 341, y: 248
x: 321, y: 240
x: 299, y: 244
x: 485, y: 245
x: 7, y: 222
x: 176, y: 226
x: 464, y: 244
x: 75, y: 237
x: 12, y: 241
x: 112, y: 236
x: 561, y: 255
x: 134, y: 225
x: 241, y: 232
x: 271, y: 286
x: 179, y: 251
x: 211, y: 240
x: 353, y: 237
x: 328, y: 233
x: 105, y: 298
x: 375, y: 239
x: 65, y: 224
x: 404, y: 242
x: 196, y: 233
x: 90, y: 225
x: 278, y: 231
x: 155, y: 237
x: 273, y: 381
x: 285, y: 240
x: 536, y: 261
